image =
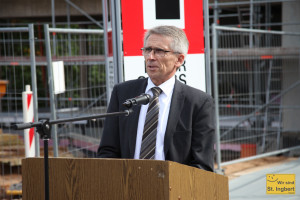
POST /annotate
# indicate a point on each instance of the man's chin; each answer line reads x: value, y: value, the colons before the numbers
x: 152, y: 72
x: 153, y: 76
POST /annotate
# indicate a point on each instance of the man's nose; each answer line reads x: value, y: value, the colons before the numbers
x: 152, y: 54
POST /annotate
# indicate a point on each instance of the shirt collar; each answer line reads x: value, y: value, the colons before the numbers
x: 166, y: 87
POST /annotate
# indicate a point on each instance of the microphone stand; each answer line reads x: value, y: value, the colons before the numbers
x: 43, y: 127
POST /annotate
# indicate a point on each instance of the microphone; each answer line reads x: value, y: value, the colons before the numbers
x: 142, y: 99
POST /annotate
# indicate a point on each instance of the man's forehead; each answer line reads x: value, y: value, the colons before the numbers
x: 159, y: 41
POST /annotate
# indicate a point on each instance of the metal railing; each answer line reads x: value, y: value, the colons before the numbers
x: 16, y: 44
x: 253, y: 82
x: 82, y: 51
x: 256, y: 89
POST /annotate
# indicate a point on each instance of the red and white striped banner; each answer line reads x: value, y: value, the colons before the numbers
x: 28, y: 117
x: 140, y: 15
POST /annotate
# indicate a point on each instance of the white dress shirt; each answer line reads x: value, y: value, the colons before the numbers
x: 164, y: 108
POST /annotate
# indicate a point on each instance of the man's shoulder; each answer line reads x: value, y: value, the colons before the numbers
x: 191, y: 91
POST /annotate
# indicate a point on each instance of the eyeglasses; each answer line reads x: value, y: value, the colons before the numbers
x: 146, y: 51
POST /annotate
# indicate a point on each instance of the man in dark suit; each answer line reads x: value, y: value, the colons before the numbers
x: 184, y: 131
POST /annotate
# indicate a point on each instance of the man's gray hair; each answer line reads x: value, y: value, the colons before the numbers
x: 179, y: 42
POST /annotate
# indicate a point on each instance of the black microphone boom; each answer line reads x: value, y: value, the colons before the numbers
x: 139, y: 100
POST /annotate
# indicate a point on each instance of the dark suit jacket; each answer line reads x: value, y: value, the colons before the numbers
x: 189, y: 137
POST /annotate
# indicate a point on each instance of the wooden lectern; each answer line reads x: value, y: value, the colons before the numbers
x: 120, y: 179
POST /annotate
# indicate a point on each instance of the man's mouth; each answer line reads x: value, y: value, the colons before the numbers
x: 152, y: 66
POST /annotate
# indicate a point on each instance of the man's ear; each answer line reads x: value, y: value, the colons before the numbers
x: 180, y: 60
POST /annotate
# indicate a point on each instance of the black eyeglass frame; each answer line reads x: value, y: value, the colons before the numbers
x: 157, y: 49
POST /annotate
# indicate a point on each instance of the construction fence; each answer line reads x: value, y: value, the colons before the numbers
x: 26, y: 55
x: 255, y: 78
x: 16, y: 58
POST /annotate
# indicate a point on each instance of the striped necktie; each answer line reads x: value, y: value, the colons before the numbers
x: 150, y: 128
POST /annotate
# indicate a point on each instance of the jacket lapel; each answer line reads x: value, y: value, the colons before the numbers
x: 174, y: 114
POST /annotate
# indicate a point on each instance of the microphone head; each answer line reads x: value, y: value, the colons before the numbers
x: 142, y: 99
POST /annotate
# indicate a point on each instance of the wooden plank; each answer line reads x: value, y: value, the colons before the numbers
x: 7, y: 139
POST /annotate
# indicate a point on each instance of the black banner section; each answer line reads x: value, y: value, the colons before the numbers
x: 167, y: 9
